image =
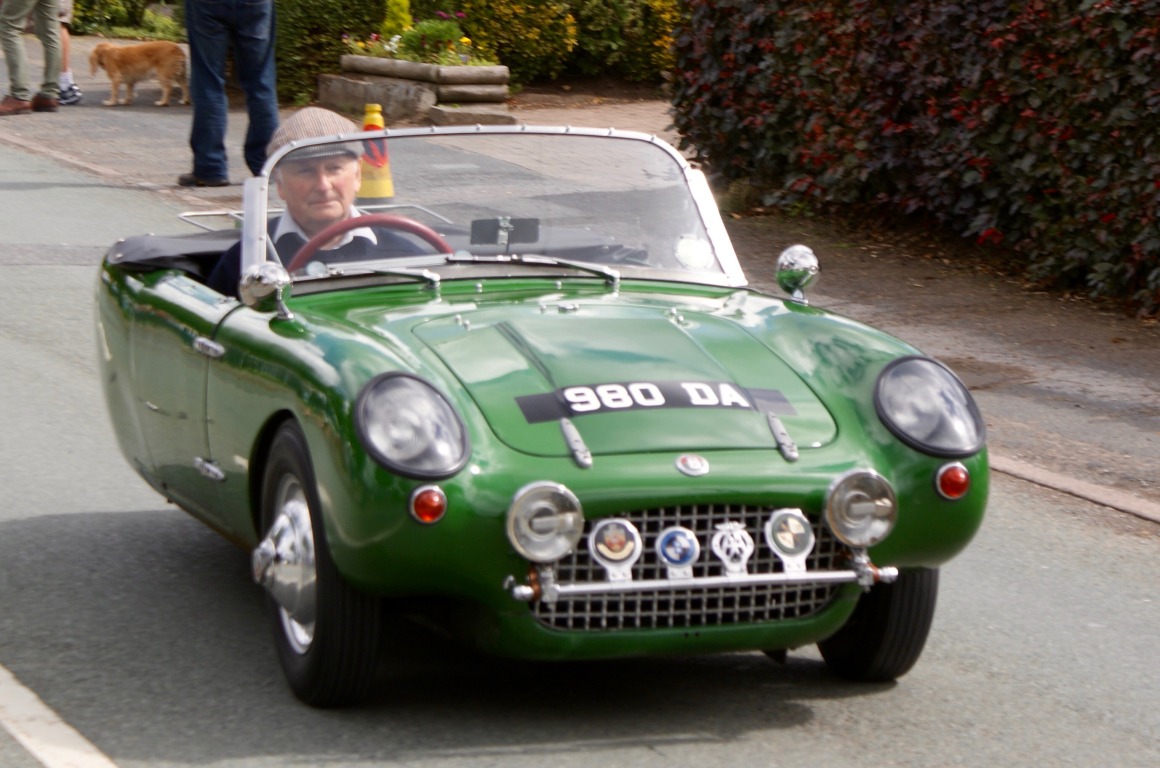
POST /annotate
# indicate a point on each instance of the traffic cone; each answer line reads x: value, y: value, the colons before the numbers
x: 377, y: 185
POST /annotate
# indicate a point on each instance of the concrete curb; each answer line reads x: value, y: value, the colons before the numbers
x: 1108, y: 497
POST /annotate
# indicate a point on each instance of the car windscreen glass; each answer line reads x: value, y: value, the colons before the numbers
x: 619, y: 202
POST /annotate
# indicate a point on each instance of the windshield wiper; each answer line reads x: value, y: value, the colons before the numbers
x: 608, y: 273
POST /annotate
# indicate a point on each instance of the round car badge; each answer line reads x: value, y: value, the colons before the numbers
x: 791, y: 537
x: 678, y: 549
x: 733, y: 546
x: 615, y: 544
x: 693, y: 465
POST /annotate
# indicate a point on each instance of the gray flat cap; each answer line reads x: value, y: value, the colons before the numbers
x: 314, y: 123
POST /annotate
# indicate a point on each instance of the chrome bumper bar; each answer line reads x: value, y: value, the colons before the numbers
x: 542, y: 583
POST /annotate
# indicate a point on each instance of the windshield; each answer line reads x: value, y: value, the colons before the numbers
x: 435, y: 198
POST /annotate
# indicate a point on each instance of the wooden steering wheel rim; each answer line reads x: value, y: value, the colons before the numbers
x: 388, y: 220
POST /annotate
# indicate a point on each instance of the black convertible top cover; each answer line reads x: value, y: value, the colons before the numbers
x: 194, y: 253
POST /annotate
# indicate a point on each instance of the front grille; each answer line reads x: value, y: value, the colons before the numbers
x: 694, y: 606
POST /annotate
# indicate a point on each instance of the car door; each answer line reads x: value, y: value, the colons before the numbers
x: 173, y: 347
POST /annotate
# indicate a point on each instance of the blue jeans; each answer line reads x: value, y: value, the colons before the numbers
x: 213, y: 27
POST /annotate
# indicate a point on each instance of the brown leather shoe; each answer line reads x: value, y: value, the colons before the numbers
x: 14, y: 106
x: 42, y: 103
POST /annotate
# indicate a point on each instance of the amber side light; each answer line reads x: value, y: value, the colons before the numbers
x: 953, y: 481
x: 428, y: 504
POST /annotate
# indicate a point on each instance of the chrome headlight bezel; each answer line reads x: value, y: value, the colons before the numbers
x: 861, y: 508
x: 545, y: 521
x: 926, y: 406
x: 431, y: 441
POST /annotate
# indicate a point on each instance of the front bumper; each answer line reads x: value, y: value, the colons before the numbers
x: 734, y: 572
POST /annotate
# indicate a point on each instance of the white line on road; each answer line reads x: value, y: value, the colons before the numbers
x: 52, y: 741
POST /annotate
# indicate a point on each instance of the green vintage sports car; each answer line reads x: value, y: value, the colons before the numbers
x: 557, y: 419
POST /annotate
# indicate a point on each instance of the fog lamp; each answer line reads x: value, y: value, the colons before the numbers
x: 544, y: 522
x: 861, y: 508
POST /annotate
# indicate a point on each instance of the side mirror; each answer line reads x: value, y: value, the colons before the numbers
x: 264, y: 287
x: 797, y: 267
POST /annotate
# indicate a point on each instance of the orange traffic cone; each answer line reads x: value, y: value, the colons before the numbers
x: 377, y: 185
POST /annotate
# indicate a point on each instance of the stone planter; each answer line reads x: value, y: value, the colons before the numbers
x: 408, y: 90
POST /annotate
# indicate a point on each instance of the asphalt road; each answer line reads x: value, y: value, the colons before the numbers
x: 140, y: 634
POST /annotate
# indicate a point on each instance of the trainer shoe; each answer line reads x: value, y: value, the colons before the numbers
x: 14, y: 106
x: 191, y: 180
x: 71, y: 94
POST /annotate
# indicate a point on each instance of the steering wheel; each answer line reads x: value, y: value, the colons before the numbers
x: 388, y: 220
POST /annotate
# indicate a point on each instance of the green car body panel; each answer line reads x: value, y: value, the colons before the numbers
x: 474, y: 346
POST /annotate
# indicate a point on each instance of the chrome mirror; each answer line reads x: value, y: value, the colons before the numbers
x: 265, y: 287
x: 797, y: 267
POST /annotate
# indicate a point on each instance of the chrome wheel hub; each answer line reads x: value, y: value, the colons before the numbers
x: 283, y: 563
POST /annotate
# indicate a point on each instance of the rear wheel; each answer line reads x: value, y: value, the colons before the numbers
x: 326, y: 632
x: 887, y: 631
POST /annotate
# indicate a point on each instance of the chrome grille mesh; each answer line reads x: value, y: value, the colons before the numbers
x: 695, y: 606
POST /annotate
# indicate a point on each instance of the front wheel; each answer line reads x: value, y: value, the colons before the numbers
x: 326, y: 632
x: 887, y: 631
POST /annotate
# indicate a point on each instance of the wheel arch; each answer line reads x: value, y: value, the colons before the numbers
x: 259, y: 457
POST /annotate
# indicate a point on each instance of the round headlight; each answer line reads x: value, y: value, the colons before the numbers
x: 410, y: 428
x: 928, y: 408
x: 860, y: 508
x: 544, y: 522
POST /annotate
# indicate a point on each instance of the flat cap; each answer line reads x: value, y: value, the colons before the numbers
x: 314, y: 123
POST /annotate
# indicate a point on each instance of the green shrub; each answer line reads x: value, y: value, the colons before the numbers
x: 430, y: 9
x: 154, y: 26
x: 538, y: 40
x: 533, y: 38
x: 1027, y: 125
x: 310, y: 42
x: 624, y: 38
x: 91, y: 15
x: 649, y: 51
x: 431, y: 41
x: 397, y: 18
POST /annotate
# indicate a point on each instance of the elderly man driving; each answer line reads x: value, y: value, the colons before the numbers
x: 318, y: 185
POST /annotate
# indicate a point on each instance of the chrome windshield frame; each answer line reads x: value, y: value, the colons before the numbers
x: 255, y: 247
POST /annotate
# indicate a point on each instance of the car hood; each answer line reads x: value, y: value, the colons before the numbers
x: 629, y: 378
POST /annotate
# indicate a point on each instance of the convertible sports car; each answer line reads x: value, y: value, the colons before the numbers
x: 560, y: 423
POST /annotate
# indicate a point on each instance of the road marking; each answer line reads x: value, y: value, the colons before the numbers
x: 52, y: 741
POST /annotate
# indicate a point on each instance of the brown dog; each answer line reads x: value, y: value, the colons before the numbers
x: 130, y: 64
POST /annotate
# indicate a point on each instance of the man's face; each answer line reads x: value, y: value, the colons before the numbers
x: 319, y: 191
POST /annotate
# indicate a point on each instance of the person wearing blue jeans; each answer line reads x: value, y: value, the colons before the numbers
x: 213, y: 28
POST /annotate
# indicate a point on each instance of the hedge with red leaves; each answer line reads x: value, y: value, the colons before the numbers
x: 1035, y: 125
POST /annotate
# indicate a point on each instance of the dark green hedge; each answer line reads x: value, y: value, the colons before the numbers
x: 1032, y: 125
x: 309, y: 40
x: 541, y: 39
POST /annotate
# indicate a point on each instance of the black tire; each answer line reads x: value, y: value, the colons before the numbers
x: 885, y: 635
x: 331, y: 661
